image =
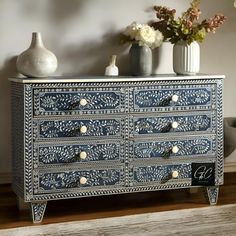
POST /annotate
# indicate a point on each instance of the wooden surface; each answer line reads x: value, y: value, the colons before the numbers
x: 218, y: 220
x: 85, y: 209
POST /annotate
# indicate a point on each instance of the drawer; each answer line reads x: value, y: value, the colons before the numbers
x: 54, y: 181
x: 47, y: 129
x: 160, y: 174
x: 67, y: 101
x: 196, y: 146
x: 174, y: 97
x: 49, y: 154
x: 174, y: 123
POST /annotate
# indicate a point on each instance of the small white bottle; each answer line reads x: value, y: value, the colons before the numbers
x: 112, y: 69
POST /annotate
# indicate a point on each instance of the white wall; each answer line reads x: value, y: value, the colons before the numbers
x: 83, y: 34
x: 218, y: 52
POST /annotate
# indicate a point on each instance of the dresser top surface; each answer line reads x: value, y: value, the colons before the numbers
x: 81, y: 79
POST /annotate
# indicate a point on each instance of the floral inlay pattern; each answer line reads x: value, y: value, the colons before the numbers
x: 71, y: 179
x: 71, y: 128
x: 71, y: 101
x: 163, y: 149
x: 160, y: 98
x: 152, y: 125
x: 160, y: 173
x: 70, y: 153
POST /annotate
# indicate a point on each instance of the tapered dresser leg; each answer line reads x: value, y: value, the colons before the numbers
x: 212, y: 194
x: 37, y: 210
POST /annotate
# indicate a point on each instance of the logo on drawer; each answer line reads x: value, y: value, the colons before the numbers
x: 203, y: 174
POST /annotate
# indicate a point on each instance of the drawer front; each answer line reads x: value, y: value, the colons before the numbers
x: 48, y: 154
x: 73, y: 128
x: 175, y: 148
x: 174, y: 124
x: 54, y: 181
x: 183, y: 97
x: 160, y: 174
x: 78, y: 100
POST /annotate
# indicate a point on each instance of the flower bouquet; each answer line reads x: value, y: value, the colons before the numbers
x: 186, y: 27
x: 142, y: 34
x: 185, y: 32
x: 142, y: 38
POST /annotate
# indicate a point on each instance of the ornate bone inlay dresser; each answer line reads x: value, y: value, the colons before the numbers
x: 91, y: 136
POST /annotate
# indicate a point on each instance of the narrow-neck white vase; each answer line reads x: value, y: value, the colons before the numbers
x: 36, y: 61
x: 186, y: 58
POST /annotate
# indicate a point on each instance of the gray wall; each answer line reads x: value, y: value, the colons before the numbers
x: 83, y: 34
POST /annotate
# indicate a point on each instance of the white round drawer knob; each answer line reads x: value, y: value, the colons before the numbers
x: 175, y: 98
x: 83, y: 180
x: 174, y: 125
x: 175, y: 149
x: 83, y: 129
x: 175, y: 174
x: 83, y: 155
x: 83, y: 102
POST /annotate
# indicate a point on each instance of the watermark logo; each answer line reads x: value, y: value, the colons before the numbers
x: 203, y: 174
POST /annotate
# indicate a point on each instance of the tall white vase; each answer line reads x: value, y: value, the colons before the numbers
x: 186, y: 58
x: 163, y: 59
x: 36, y: 61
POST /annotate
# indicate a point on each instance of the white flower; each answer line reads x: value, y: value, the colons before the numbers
x: 144, y: 35
x: 235, y: 3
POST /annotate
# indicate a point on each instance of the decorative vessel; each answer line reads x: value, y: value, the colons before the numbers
x: 36, y: 61
x: 186, y: 58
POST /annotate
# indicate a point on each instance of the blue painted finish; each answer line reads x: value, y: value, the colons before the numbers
x: 188, y: 123
x: 162, y: 173
x: 67, y: 102
x: 71, y: 179
x: 71, y: 128
x: 162, y: 97
x: 163, y: 149
x: 56, y: 154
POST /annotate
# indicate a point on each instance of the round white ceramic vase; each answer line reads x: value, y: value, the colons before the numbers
x: 186, y: 58
x: 36, y: 61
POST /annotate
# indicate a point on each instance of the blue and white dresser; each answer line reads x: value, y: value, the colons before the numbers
x: 90, y: 136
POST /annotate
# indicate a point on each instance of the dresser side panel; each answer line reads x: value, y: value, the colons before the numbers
x: 17, y: 134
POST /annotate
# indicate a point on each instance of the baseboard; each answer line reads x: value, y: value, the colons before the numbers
x: 5, y: 178
x: 230, y: 167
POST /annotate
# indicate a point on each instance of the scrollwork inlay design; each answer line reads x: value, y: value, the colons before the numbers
x: 162, y: 97
x: 71, y: 153
x: 195, y: 147
x: 70, y: 101
x: 71, y: 128
x: 71, y: 179
x: 151, y: 125
x: 160, y: 174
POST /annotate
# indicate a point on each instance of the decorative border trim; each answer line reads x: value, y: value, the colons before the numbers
x: 81, y: 79
x: 220, y: 134
x: 28, y: 139
x: 44, y: 197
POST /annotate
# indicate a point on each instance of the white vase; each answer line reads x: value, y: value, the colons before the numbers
x: 36, y: 61
x: 186, y: 58
x: 163, y: 59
